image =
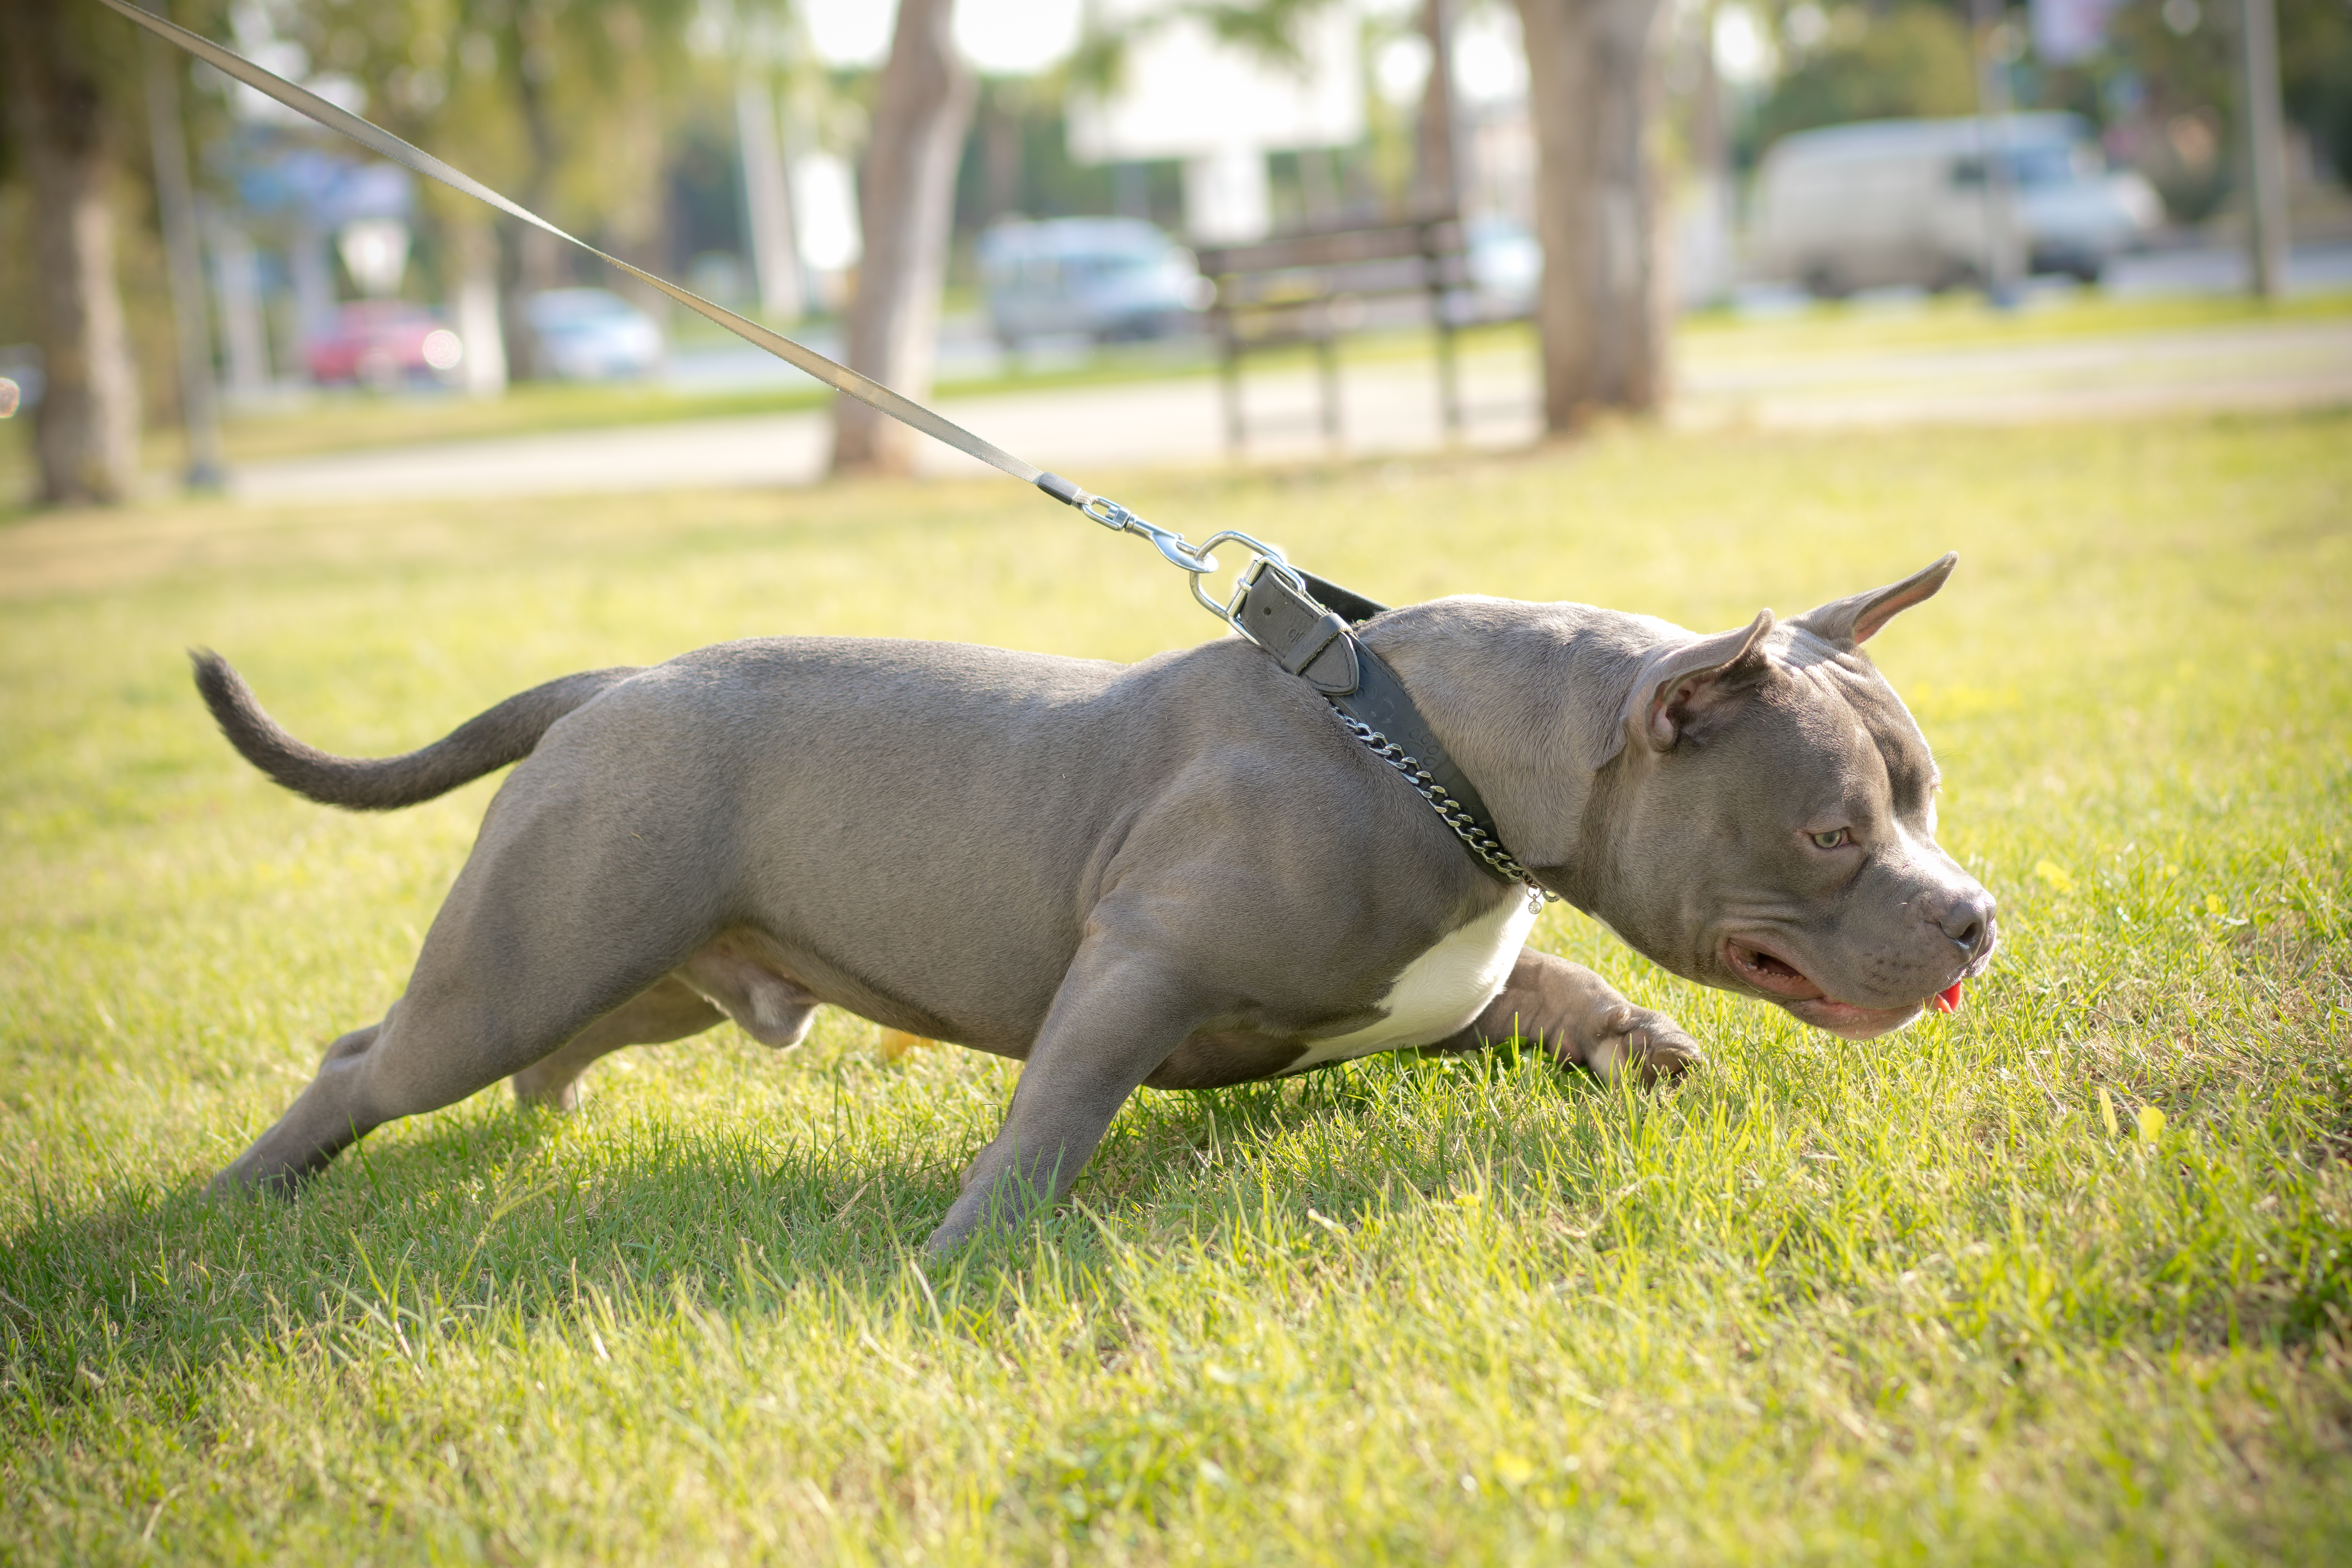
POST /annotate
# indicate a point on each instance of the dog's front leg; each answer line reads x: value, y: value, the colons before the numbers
x: 1121, y: 1008
x: 1582, y: 1019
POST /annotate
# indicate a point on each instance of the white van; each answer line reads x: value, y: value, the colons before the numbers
x: 1904, y: 200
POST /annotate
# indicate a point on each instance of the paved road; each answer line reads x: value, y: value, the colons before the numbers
x: 1387, y: 407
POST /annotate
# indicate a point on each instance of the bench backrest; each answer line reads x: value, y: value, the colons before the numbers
x: 1276, y: 289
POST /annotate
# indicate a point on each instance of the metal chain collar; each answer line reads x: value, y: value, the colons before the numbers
x: 1475, y: 838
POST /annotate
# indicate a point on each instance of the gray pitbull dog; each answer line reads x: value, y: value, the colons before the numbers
x: 1180, y: 873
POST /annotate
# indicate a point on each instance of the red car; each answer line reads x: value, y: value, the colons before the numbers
x: 382, y: 342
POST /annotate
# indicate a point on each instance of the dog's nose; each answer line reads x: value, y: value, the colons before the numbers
x: 1967, y: 918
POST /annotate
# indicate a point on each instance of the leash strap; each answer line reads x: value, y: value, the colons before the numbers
x: 1195, y: 560
x: 383, y: 143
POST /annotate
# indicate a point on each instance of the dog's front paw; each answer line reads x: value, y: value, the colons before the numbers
x: 1637, y: 1041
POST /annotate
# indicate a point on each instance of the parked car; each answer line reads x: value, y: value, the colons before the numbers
x: 1102, y: 278
x: 1904, y: 200
x: 381, y: 344
x: 592, y: 335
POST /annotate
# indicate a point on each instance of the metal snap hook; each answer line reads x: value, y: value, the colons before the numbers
x: 1262, y: 557
x: 1178, y: 553
x: 1195, y: 559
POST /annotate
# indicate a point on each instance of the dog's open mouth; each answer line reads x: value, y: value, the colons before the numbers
x: 1769, y: 972
x: 1783, y: 982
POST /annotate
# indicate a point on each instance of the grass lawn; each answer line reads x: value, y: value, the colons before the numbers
x: 1964, y: 321
x: 2061, y: 1279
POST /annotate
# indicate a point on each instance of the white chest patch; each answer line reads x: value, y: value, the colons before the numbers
x: 1440, y: 992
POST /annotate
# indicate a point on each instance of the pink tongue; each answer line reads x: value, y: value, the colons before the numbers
x: 1948, y: 1000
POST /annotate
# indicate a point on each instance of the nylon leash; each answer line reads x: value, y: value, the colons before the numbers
x: 1192, y: 559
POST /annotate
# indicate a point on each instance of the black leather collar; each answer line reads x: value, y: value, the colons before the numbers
x: 1311, y: 634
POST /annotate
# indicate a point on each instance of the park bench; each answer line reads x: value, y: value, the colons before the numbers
x: 1312, y: 287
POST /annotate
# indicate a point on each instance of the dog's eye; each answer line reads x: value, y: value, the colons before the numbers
x: 1833, y: 838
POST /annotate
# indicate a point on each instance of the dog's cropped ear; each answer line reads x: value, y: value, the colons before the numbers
x: 1678, y: 685
x: 1851, y: 622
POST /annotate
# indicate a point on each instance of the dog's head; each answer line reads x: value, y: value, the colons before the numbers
x: 1771, y: 824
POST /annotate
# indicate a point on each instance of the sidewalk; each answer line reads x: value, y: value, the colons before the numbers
x: 1389, y: 407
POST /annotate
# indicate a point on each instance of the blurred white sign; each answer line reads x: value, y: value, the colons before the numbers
x: 2066, y: 31
x: 1187, y: 94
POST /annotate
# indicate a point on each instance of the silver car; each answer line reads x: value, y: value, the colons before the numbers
x: 1101, y: 278
x: 592, y: 335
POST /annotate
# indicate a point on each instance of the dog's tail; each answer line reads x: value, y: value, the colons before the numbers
x: 504, y: 734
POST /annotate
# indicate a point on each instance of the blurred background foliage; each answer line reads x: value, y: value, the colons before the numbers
x: 1910, y: 59
x: 615, y: 116
x: 619, y: 119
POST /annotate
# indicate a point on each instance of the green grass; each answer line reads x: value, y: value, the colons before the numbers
x: 1914, y: 1299
x: 1965, y: 321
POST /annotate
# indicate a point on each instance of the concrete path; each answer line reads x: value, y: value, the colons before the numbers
x: 2267, y: 365
x: 1388, y: 406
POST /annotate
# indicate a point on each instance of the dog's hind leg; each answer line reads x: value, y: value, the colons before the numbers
x: 450, y: 1036
x: 726, y: 979
x: 545, y: 933
x: 668, y: 1010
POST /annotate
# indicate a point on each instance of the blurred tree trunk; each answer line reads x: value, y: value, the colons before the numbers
x: 768, y: 200
x: 906, y: 203
x: 535, y: 260
x: 634, y: 222
x: 1436, y: 164
x: 1592, y: 84
x: 87, y: 429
